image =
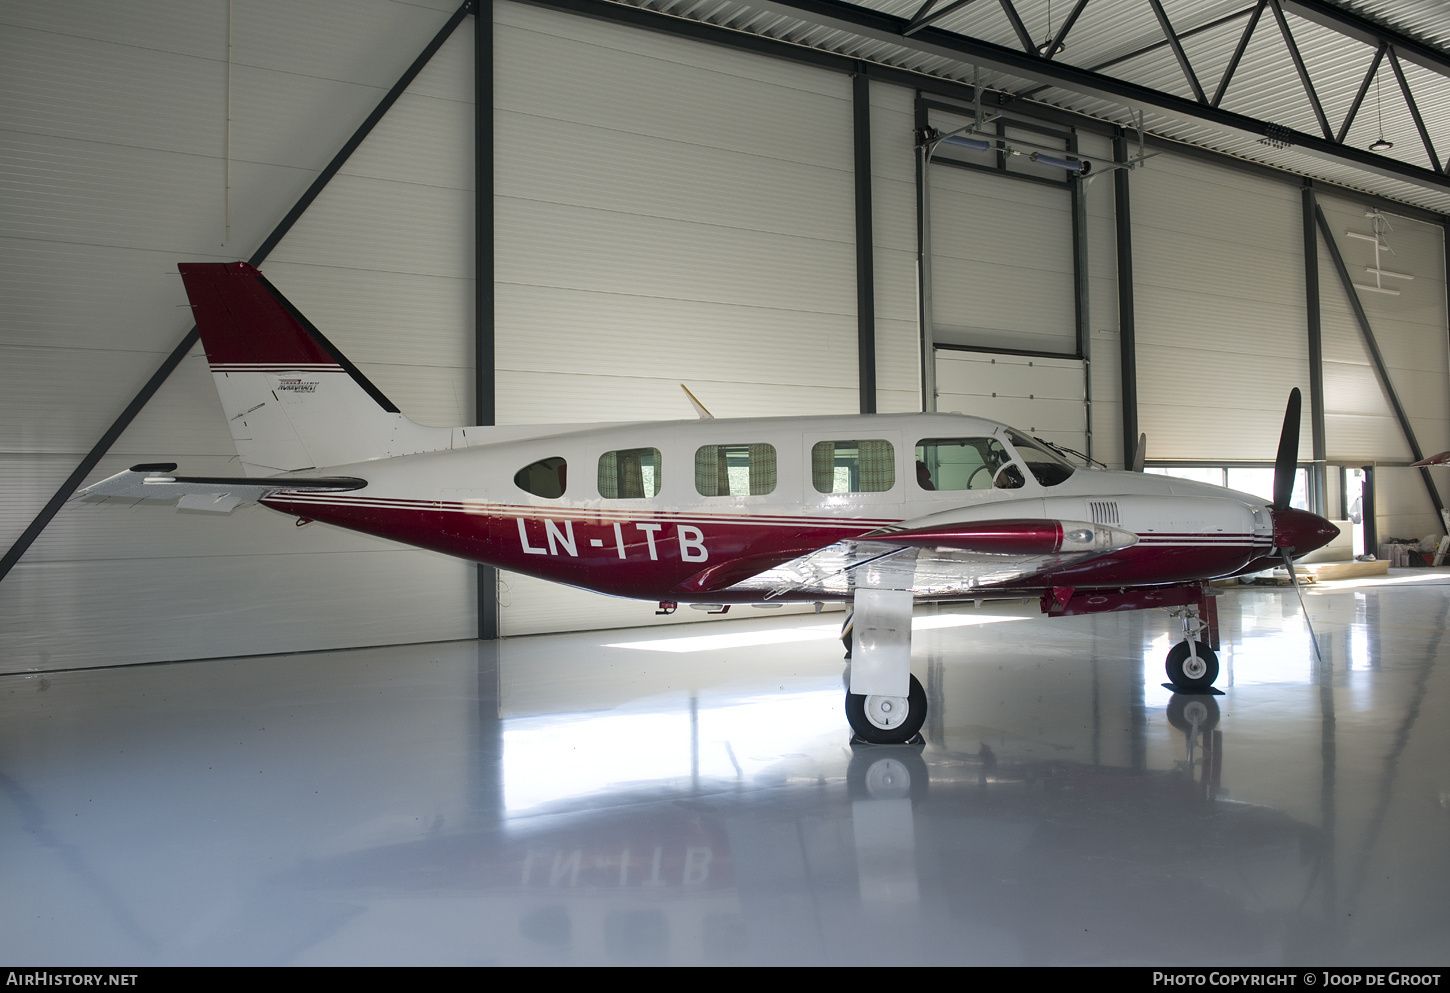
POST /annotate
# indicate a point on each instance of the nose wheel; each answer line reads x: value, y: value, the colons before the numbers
x: 1191, y: 671
x: 887, y: 720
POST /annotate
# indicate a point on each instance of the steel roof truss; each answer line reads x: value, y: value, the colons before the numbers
x: 924, y: 16
x: 1178, y: 51
x: 1022, y: 33
x: 1301, y: 69
x: 1233, y: 63
x: 1056, y: 45
x: 1359, y: 97
x: 1415, y: 111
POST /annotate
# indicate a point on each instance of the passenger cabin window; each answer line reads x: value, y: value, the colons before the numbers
x: 959, y: 463
x: 629, y: 474
x: 853, y: 466
x: 735, y: 470
x: 544, y: 478
x: 1045, y: 464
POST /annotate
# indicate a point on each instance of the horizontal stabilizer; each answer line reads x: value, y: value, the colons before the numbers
x: 209, y: 494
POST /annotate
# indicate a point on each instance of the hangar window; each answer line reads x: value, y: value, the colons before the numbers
x: 735, y: 470
x: 853, y: 466
x: 544, y: 478
x: 630, y: 473
x: 959, y: 463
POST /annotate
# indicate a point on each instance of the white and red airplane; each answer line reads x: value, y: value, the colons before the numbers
x: 874, y: 510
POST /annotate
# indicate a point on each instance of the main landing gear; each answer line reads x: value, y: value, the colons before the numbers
x: 1192, y: 665
x: 885, y: 703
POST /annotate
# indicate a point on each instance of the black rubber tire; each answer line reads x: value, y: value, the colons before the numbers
x: 902, y: 733
x: 1186, y: 706
x: 1182, y: 680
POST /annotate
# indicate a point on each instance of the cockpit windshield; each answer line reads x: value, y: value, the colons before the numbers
x: 1045, y: 464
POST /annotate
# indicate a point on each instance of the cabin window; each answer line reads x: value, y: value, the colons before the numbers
x: 735, y: 470
x: 959, y: 463
x: 544, y: 478
x: 629, y: 474
x: 853, y: 466
x: 1046, y: 465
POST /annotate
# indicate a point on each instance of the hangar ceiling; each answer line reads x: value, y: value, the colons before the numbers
x: 1300, y: 85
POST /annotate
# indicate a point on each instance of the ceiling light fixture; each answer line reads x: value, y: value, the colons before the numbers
x: 1046, y: 49
x: 1380, y: 144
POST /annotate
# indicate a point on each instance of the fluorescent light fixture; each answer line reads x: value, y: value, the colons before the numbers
x: 1381, y: 144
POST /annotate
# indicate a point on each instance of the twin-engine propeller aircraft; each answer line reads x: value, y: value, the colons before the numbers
x: 875, y: 510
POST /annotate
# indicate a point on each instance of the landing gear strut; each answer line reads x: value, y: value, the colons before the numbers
x: 1192, y: 665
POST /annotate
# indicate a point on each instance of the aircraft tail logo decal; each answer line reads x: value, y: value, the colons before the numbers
x: 292, y: 399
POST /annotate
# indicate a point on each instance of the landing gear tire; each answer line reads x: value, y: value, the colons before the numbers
x: 1189, y: 674
x: 847, y: 629
x: 1187, y: 712
x: 887, y: 720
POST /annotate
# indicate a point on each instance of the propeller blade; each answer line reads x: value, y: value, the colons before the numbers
x: 1141, y: 455
x: 1303, y: 607
x: 1287, y: 462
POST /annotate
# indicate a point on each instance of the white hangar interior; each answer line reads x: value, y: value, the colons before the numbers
x: 232, y: 740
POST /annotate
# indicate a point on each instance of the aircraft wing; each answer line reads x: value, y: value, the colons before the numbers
x: 942, y: 559
x: 209, y: 494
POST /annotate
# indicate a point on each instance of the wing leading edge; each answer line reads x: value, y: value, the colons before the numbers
x: 942, y: 559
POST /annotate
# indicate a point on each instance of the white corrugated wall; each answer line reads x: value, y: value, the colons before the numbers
x: 1222, y: 326
x: 114, y: 155
x: 1409, y: 327
x: 667, y: 212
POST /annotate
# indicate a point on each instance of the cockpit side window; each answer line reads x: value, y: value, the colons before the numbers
x: 959, y: 463
x: 1046, y: 465
x: 630, y: 473
x: 545, y: 478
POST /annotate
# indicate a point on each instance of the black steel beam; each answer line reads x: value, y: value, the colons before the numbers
x: 99, y: 450
x: 484, y: 394
x: 1363, y: 90
x: 924, y: 16
x: 1302, y: 69
x: 1316, y: 351
x: 1127, y: 325
x: 1372, y: 346
x: 682, y: 27
x: 1057, y: 39
x: 1370, y: 32
x: 1178, y: 52
x: 1029, y: 65
x: 1233, y: 63
x: 1023, y: 35
x: 1414, y: 110
x: 865, y: 254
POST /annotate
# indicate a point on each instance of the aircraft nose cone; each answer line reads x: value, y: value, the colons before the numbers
x: 1302, y: 531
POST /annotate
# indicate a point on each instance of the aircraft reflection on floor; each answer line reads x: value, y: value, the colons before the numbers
x: 554, y: 800
x: 971, y: 858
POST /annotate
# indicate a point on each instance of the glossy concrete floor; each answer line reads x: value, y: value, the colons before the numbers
x: 689, y: 795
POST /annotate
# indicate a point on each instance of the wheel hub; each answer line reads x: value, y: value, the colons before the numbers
x: 1194, y: 667
x: 887, y: 712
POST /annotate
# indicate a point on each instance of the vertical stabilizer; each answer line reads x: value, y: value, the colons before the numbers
x: 291, y: 399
